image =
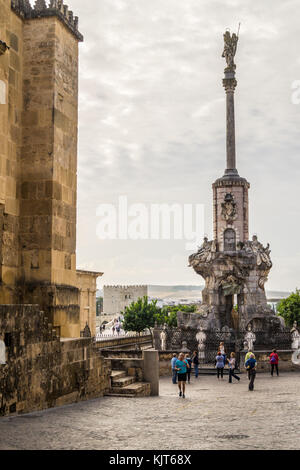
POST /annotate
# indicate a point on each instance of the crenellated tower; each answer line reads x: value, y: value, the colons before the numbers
x: 38, y: 152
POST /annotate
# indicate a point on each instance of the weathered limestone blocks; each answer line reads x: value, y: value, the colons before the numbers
x: 43, y: 371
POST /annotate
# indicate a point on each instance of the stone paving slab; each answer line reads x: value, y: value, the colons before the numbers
x: 214, y: 415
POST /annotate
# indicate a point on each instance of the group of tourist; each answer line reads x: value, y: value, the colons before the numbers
x: 182, y: 367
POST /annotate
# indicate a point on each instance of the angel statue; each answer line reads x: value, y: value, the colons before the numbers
x: 230, y: 47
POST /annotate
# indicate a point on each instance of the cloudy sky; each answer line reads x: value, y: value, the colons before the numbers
x: 152, y: 125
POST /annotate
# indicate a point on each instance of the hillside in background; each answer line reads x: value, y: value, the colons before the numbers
x: 190, y: 292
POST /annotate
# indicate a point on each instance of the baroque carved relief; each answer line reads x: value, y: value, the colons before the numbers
x: 229, y: 210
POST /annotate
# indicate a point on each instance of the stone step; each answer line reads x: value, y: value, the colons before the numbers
x: 133, y: 390
x: 117, y: 374
x: 122, y: 381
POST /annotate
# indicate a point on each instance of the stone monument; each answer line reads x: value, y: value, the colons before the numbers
x: 235, y: 268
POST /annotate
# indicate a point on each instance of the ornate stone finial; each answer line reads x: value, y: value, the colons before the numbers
x: 40, y: 5
x: 86, y: 333
x: 230, y: 47
x: 54, y: 5
x: 66, y: 8
x: 61, y: 6
x: 27, y: 6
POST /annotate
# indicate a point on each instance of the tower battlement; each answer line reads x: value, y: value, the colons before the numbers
x: 41, y: 9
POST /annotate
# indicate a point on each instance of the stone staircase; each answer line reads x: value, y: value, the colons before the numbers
x: 123, y: 385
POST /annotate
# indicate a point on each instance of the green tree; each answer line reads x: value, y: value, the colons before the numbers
x: 168, y: 314
x: 289, y: 308
x: 140, y: 315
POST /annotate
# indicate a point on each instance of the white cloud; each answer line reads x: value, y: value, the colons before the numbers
x: 152, y: 123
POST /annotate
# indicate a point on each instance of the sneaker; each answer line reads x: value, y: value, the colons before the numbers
x: 180, y: 394
x: 183, y: 396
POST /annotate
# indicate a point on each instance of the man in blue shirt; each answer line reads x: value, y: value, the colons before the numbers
x: 174, y: 371
x: 251, y: 367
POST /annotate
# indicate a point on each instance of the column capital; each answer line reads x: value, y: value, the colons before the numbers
x: 229, y: 84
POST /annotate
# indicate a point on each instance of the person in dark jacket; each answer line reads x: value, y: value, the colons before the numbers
x: 274, y: 359
x: 251, y: 367
x: 189, y: 368
x: 195, y: 361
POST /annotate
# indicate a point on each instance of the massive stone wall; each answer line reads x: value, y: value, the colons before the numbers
x: 116, y: 298
x: 42, y: 371
x: 38, y: 159
x: 11, y: 103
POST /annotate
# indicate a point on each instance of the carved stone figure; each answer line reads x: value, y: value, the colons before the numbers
x: 295, y: 336
x: 204, y: 253
x: 163, y: 340
x: 2, y: 352
x: 184, y: 347
x: 230, y: 47
x: 250, y: 338
x: 201, y: 338
x: 227, y: 332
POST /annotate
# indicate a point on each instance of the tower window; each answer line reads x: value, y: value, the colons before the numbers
x: 229, y: 240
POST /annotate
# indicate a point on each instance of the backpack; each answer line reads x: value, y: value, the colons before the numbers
x: 273, y: 359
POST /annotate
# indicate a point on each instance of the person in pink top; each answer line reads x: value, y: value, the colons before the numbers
x: 274, y: 359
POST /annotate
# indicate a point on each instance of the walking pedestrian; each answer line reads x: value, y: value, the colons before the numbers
x: 274, y: 359
x: 174, y: 371
x: 251, y: 366
x: 181, y: 367
x: 222, y: 351
x: 195, y: 360
x: 232, y: 365
x: 220, y: 365
x: 246, y: 359
x: 189, y: 368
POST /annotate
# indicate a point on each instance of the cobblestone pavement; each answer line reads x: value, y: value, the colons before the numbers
x: 214, y: 415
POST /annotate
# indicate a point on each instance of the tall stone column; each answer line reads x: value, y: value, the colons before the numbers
x: 229, y: 83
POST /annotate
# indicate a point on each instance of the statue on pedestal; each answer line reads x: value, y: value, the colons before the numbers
x: 201, y: 337
x: 250, y: 338
x: 230, y: 47
x: 295, y: 336
x: 163, y: 340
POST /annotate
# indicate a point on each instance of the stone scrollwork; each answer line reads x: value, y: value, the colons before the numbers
x: 204, y: 253
x: 229, y: 211
x: 231, y: 285
x: 263, y: 259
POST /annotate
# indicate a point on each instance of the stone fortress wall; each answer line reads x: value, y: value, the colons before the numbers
x: 41, y: 370
x: 38, y: 160
x: 44, y: 301
x: 116, y: 298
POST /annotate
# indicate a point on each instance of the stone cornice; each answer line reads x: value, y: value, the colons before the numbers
x: 225, y: 181
x: 42, y: 10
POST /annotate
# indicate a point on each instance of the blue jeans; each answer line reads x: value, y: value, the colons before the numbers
x: 196, y: 369
x: 174, y: 376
